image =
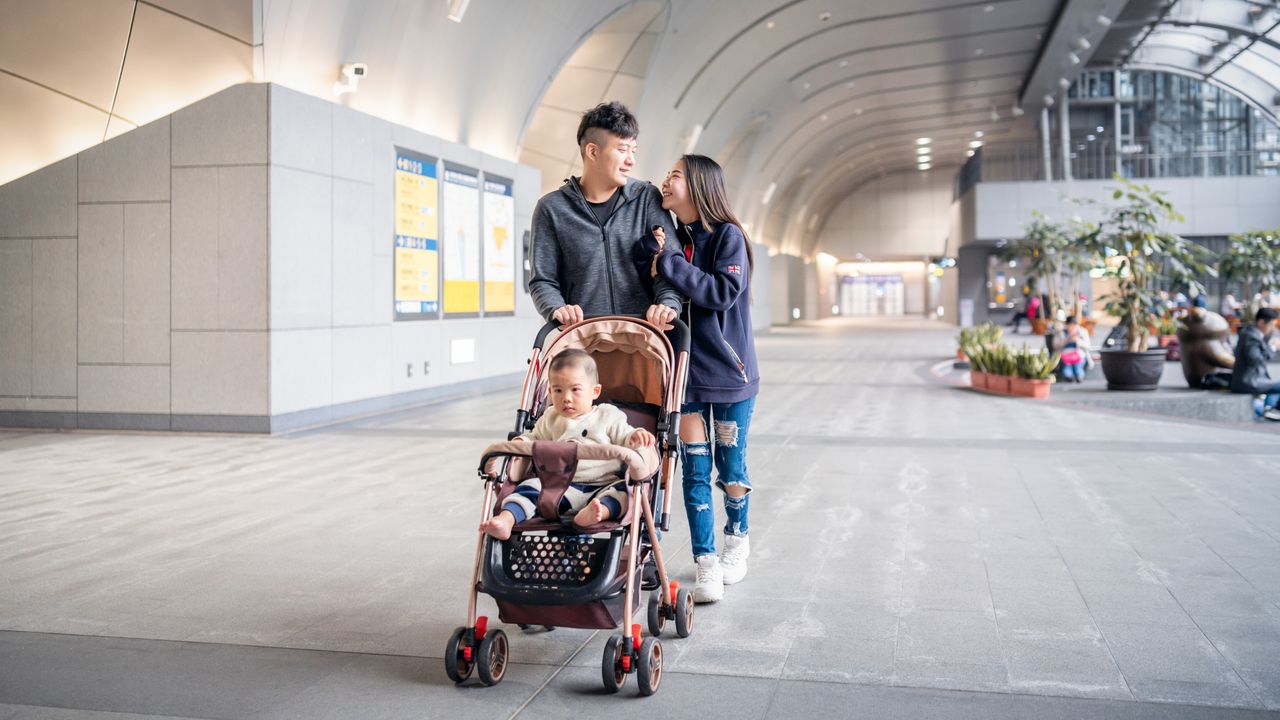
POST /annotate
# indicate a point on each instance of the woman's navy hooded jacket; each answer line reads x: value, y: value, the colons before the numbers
x: 722, y: 355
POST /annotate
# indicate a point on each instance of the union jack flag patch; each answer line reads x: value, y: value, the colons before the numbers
x: 735, y: 269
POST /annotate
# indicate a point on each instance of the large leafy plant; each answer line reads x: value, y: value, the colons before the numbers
x: 1253, y: 260
x: 1057, y: 255
x: 1144, y: 256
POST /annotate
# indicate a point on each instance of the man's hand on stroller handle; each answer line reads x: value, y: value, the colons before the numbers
x: 568, y: 314
x: 661, y: 315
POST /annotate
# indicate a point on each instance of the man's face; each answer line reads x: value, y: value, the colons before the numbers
x: 612, y: 159
x: 1267, y: 327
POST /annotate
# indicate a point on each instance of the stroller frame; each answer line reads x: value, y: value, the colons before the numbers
x: 475, y: 646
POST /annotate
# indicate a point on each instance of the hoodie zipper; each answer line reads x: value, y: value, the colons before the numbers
x: 742, y: 369
x: 604, y: 237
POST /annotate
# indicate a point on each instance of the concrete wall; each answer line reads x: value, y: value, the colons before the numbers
x: 1212, y: 206
x: 229, y: 268
x: 902, y: 215
x: 762, y: 289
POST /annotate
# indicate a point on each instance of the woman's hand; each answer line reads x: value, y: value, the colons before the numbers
x: 641, y: 437
x: 653, y: 266
x: 660, y: 235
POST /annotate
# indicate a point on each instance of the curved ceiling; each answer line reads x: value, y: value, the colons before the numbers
x: 1231, y: 43
x: 808, y: 97
x: 76, y: 72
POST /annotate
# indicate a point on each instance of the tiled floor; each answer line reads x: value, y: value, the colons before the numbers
x: 919, y: 551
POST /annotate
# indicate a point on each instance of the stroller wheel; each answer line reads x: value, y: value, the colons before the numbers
x: 684, y: 613
x: 657, y: 618
x: 457, y: 661
x: 649, y: 671
x: 491, y: 660
x: 611, y: 670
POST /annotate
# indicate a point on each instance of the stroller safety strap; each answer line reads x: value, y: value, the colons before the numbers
x: 641, y: 462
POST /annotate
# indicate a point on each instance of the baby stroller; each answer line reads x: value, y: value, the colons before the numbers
x: 552, y: 574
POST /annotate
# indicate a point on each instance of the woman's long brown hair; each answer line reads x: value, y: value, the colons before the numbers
x: 705, y: 179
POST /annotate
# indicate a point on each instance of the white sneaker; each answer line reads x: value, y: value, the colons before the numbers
x: 709, y: 585
x: 733, y: 561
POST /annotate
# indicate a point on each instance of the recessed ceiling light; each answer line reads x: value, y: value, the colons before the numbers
x: 824, y: 16
x: 849, y: 85
x: 769, y: 25
x: 823, y: 117
x: 1048, y: 100
x: 1104, y: 21
x: 924, y: 166
x: 923, y: 141
x: 844, y: 63
x: 979, y: 51
x: 807, y: 86
x: 977, y: 133
x: 969, y: 153
x: 922, y: 151
x: 1099, y: 128
x: 975, y: 144
x: 857, y: 111
x: 1074, y: 58
x: 1064, y: 83
x: 989, y: 8
x: 1083, y: 43
x: 924, y: 159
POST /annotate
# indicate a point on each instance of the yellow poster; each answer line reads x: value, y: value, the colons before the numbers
x: 499, y: 246
x: 417, y: 256
x: 462, y: 240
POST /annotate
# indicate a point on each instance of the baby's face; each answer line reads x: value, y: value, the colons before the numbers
x: 572, y: 391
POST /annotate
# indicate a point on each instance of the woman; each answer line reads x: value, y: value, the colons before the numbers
x: 714, y: 273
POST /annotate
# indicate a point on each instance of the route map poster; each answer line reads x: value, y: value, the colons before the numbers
x: 499, y: 246
x: 462, y: 241
x: 417, y: 237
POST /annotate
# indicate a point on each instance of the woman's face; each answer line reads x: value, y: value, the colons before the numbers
x: 675, y: 193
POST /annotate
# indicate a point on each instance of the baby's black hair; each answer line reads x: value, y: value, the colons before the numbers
x: 578, y: 360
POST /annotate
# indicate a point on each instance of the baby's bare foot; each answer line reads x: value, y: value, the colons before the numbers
x: 594, y: 512
x: 499, y: 526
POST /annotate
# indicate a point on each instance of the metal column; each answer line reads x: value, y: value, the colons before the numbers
x: 1116, y: 133
x: 1064, y: 132
x: 1044, y: 145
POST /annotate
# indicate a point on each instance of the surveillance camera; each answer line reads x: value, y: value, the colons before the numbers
x: 355, y: 71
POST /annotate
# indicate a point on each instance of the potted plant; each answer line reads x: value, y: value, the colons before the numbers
x: 1253, y: 260
x: 1057, y: 255
x: 1143, y: 254
x: 1034, y: 374
x: 1001, y: 367
x: 977, y: 367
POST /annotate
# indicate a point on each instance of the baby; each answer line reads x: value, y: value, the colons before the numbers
x: 597, y: 493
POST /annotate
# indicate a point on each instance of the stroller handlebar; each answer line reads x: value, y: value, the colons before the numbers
x: 678, y: 334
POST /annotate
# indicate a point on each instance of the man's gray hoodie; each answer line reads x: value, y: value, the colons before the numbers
x: 576, y: 261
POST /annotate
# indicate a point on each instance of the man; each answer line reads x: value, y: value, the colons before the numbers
x: 1250, y: 374
x: 584, y: 232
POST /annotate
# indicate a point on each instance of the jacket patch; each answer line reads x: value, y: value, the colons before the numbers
x: 735, y: 269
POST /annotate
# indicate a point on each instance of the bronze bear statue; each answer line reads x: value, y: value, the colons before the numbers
x: 1205, y: 348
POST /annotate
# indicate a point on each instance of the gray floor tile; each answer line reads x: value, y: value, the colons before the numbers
x: 1161, y: 652
x: 578, y: 692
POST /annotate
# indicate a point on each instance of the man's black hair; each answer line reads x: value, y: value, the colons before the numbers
x: 611, y: 117
x: 1267, y: 313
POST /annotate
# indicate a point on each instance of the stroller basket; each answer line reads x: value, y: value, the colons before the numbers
x: 565, y: 580
x: 555, y: 568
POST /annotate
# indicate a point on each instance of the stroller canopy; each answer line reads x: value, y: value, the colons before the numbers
x: 634, y: 358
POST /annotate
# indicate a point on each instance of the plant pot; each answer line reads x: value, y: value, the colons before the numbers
x: 1030, y: 388
x: 1133, y: 371
x: 999, y: 384
x: 977, y: 380
x: 1039, y: 326
x: 1166, y: 339
x: 961, y: 356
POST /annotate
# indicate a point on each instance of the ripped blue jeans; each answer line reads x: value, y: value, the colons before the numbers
x: 726, y: 425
